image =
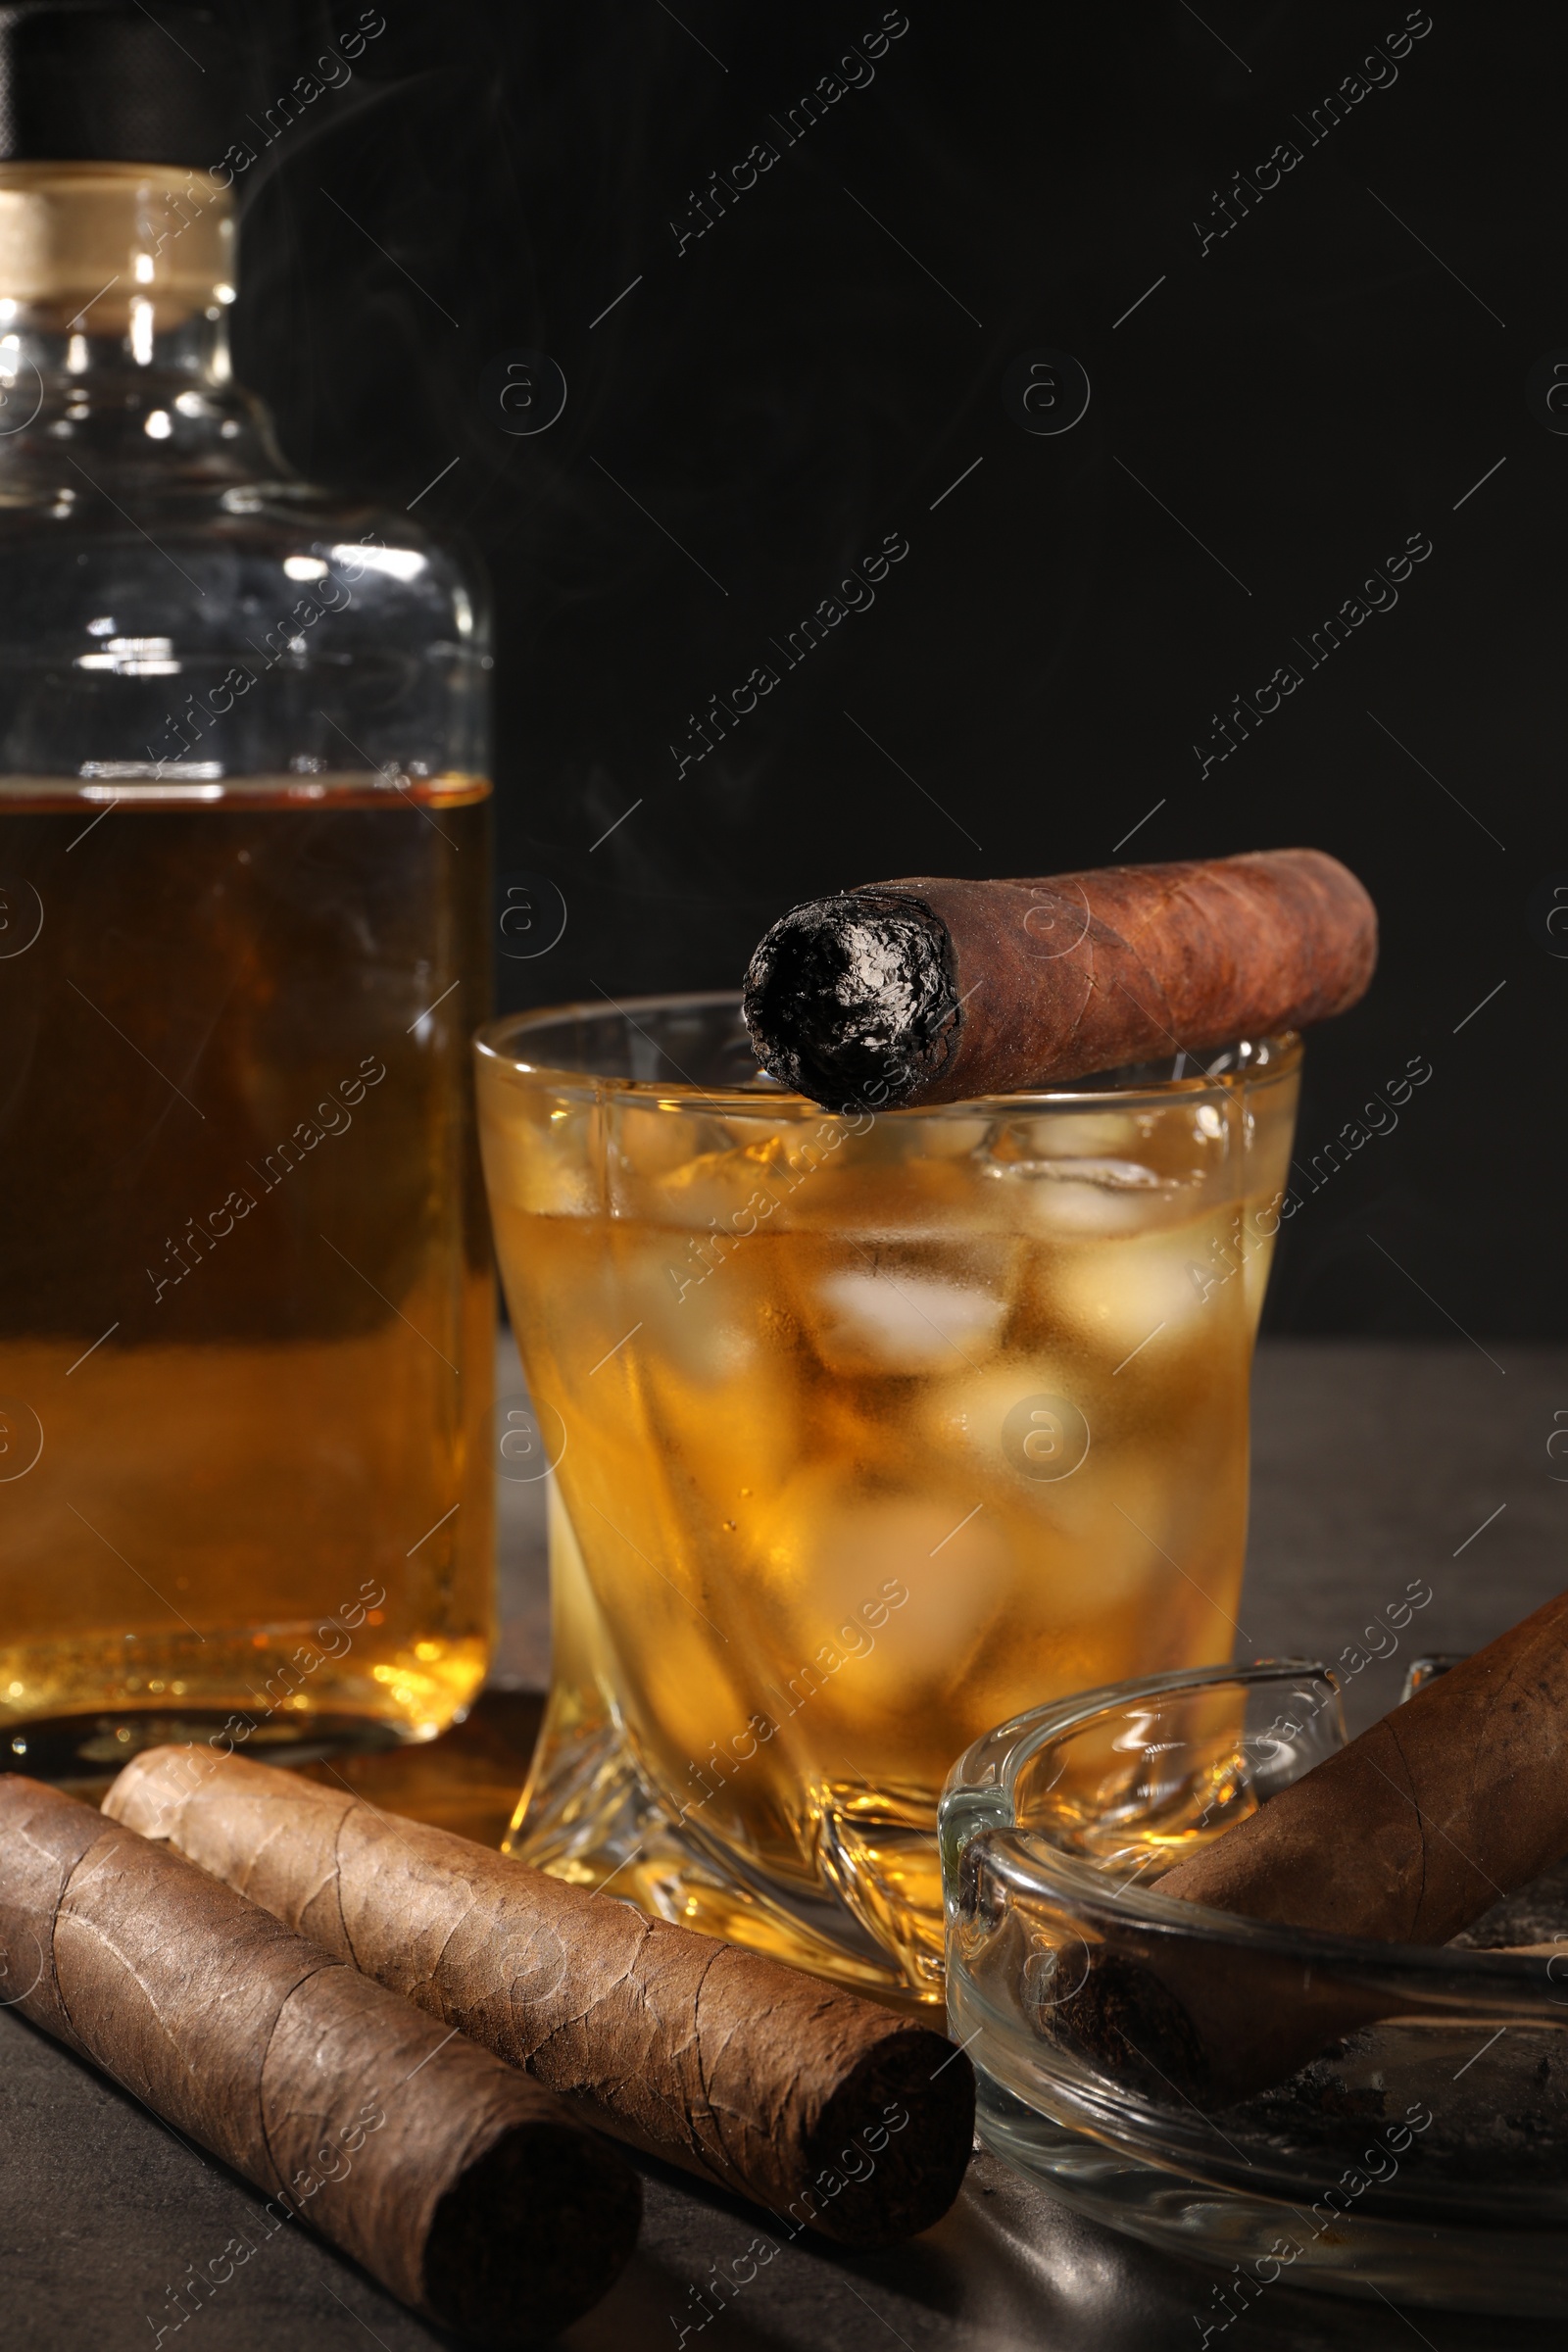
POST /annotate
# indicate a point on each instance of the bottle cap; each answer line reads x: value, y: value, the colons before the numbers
x: 93, y: 81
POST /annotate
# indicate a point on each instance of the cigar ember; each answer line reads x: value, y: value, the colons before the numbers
x: 823, y: 2107
x: 1407, y: 1835
x: 467, y: 2189
x: 925, y: 991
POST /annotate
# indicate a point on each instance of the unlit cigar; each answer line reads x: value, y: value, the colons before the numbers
x: 467, y: 2190
x: 1407, y: 1835
x: 924, y: 991
x: 817, y: 2104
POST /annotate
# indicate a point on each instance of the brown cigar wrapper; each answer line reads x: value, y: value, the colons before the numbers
x: 774, y: 2085
x: 1051, y: 979
x: 1405, y: 1835
x: 476, y: 2197
x: 1167, y: 957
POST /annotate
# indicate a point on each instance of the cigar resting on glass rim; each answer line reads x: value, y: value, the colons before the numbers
x: 463, y: 2187
x: 822, y: 2106
x: 926, y: 991
x: 1405, y: 1835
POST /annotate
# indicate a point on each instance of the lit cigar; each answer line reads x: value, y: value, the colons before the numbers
x: 822, y: 2106
x: 1407, y: 1835
x: 467, y: 2189
x: 927, y: 991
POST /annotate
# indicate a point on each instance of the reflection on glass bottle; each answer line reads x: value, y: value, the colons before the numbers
x: 245, y: 1297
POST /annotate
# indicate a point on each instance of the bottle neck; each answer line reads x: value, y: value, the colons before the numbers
x: 115, y: 281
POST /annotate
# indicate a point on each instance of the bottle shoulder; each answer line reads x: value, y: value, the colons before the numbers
x: 179, y: 610
x: 285, y: 508
x: 153, y: 477
x: 248, y: 562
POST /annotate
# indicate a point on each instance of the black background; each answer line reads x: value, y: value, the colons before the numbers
x: 1335, y: 374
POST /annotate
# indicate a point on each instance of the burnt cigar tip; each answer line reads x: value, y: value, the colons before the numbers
x: 851, y: 1000
x: 531, y: 2236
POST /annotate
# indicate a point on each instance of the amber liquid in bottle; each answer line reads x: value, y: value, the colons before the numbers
x: 236, y: 1325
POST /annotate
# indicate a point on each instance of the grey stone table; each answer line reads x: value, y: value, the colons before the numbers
x: 1374, y: 1465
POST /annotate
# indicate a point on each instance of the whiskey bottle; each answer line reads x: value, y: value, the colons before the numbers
x: 246, y: 1316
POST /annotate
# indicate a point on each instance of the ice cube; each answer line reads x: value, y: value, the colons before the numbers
x: 1153, y: 1283
x: 883, y: 1592
x: 1085, y: 1196
x: 698, y: 1303
x: 949, y: 1138
x: 646, y: 1141
x: 1068, y: 1135
x: 888, y: 1318
x: 962, y: 1419
x: 672, y: 1170
x: 541, y: 1152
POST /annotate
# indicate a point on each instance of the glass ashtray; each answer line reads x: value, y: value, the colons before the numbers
x: 1370, y: 2119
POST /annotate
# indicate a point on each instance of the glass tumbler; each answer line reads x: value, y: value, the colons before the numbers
x: 863, y: 1431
